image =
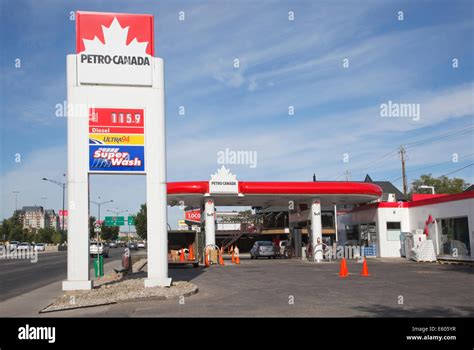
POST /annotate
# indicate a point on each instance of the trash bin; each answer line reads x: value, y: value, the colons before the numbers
x: 99, y: 266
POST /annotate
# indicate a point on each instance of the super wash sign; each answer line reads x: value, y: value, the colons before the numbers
x: 116, y: 140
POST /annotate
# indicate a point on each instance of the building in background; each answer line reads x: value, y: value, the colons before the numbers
x: 51, y: 219
x: 36, y: 217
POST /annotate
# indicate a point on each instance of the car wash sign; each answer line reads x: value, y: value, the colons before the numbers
x: 116, y: 140
x: 114, y: 48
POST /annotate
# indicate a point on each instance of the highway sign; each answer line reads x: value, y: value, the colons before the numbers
x: 114, y: 221
x: 131, y: 221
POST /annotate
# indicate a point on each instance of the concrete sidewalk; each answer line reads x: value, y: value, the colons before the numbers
x: 31, y: 303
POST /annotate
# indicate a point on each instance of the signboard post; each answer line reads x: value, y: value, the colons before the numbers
x: 116, y: 124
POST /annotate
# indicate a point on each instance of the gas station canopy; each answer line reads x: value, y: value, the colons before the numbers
x: 274, y: 193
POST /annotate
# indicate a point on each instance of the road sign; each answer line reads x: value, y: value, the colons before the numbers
x: 97, y: 229
x: 114, y: 221
x: 97, y: 225
x: 131, y: 221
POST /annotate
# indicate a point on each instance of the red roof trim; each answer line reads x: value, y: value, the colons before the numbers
x: 310, y: 188
x: 188, y: 187
x: 418, y: 203
x: 443, y: 199
x: 283, y: 188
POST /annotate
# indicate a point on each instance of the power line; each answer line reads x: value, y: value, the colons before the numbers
x: 455, y: 171
x: 383, y: 158
x: 432, y: 166
x: 448, y: 134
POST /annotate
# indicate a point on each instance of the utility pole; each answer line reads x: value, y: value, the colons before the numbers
x: 348, y: 175
x: 402, y: 153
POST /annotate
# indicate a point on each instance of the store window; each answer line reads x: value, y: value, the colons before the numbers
x: 393, y: 231
x: 455, y: 237
x: 327, y: 219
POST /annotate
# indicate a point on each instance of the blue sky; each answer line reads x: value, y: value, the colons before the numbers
x: 282, y: 63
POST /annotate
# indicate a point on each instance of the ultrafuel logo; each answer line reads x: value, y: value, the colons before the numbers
x: 114, y: 48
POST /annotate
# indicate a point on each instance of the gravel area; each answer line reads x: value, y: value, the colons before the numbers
x: 115, y: 290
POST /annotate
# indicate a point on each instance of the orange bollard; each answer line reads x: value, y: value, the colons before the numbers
x: 206, y: 260
x: 365, y: 269
x: 191, y: 253
x: 343, y: 269
x: 181, y: 256
x: 232, y: 259
x: 237, y: 260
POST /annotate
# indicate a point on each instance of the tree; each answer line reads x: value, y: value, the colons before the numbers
x: 140, y: 222
x: 442, y: 184
x: 57, y: 237
x: 92, y: 234
x: 45, y: 235
x: 109, y: 233
x: 18, y: 234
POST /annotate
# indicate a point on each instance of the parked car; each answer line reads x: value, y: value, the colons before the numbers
x: 262, y: 249
x: 113, y: 245
x: 132, y: 246
x: 285, y: 249
x: 101, y: 248
x: 141, y: 245
x: 13, y: 245
x: 40, y: 247
x: 24, y: 246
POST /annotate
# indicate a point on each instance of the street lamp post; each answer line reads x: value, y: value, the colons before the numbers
x: 63, y: 186
x: 16, y: 193
x: 99, y: 203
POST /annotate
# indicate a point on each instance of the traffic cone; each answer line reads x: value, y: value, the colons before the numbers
x: 181, y: 256
x: 365, y: 269
x: 191, y: 253
x: 343, y: 269
x: 233, y: 258
x: 237, y: 255
x: 206, y: 260
x: 221, y: 257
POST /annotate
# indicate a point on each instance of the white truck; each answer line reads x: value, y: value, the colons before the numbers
x: 102, y: 248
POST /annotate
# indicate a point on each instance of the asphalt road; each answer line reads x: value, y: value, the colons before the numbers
x: 293, y: 288
x: 21, y: 276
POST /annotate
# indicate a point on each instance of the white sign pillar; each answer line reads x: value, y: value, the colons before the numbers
x: 210, y: 223
x: 77, y: 193
x: 156, y: 193
x: 116, y: 124
x: 316, y: 230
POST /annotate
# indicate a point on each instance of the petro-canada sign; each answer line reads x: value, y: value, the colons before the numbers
x: 115, y: 74
x: 223, y: 182
x: 114, y: 48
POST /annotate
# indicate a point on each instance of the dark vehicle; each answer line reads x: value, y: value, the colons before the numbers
x: 132, y: 246
x: 262, y: 249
